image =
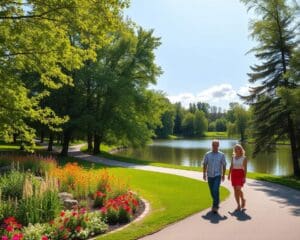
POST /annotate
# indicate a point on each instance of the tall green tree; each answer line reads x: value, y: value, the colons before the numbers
x: 221, y: 125
x: 179, y: 115
x: 188, y: 124
x: 36, y: 36
x: 200, y: 123
x: 241, y: 122
x: 167, y: 120
x: 275, y: 33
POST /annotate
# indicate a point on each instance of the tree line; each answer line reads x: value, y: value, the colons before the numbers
x: 200, y: 118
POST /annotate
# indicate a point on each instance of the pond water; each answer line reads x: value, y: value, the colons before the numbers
x: 187, y: 152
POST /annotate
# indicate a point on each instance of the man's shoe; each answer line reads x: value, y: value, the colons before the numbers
x: 214, y: 210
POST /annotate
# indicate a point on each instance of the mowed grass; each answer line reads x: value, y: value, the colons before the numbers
x: 14, y: 146
x: 171, y: 199
x: 216, y: 134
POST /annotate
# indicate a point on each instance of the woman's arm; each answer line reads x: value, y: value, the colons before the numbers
x: 245, y: 168
x: 229, y: 173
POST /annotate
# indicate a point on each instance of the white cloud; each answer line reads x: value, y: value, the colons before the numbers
x: 218, y: 95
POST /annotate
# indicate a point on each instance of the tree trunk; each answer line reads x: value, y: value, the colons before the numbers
x: 15, y: 135
x: 90, y: 142
x: 97, y: 142
x: 50, y: 143
x: 242, y: 136
x: 66, y: 140
x: 42, y: 136
x: 292, y: 136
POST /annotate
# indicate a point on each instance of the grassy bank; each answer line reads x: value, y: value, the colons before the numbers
x: 216, y: 134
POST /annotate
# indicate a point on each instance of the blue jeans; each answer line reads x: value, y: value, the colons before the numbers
x: 214, y: 186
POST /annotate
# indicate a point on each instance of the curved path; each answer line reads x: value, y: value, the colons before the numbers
x: 272, y: 211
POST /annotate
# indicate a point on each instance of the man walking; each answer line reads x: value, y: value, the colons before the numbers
x: 214, y: 167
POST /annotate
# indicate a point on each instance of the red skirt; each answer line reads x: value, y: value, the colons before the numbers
x: 237, y: 177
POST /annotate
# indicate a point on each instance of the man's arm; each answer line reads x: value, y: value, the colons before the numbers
x: 223, y: 173
x: 223, y: 167
x: 205, y: 161
x: 204, y: 171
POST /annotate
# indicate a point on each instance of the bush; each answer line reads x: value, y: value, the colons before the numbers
x: 35, y: 232
x: 11, y: 185
x: 38, y: 165
x: 120, y: 209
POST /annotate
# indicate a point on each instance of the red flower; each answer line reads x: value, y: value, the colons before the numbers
x: 45, y: 238
x: 9, y: 228
x: 100, y: 194
x: 62, y: 214
x: 74, y: 214
x: 9, y: 220
x: 77, y: 229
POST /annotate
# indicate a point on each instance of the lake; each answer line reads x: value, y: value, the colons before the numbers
x: 187, y: 152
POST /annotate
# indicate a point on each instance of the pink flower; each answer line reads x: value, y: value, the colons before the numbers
x: 18, y: 236
x: 103, y: 210
x: 4, y: 238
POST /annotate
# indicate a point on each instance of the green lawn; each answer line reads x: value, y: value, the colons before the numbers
x: 171, y: 198
x: 216, y: 134
x: 13, y: 146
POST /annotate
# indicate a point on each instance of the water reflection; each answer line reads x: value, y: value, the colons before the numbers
x: 191, y: 152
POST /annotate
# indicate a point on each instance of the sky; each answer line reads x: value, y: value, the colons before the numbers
x: 203, y: 50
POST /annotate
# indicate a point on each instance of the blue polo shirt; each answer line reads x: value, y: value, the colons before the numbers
x: 215, y: 163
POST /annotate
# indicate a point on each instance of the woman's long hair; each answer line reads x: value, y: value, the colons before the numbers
x: 240, y: 147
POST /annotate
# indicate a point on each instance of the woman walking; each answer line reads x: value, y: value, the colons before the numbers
x: 237, y: 174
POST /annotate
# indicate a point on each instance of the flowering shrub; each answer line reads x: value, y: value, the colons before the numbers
x: 121, y: 208
x: 77, y: 224
x: 36, y: 231
x: 11, y: 230
x: 83, y: 183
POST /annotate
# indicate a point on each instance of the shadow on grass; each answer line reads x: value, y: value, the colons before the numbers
x: 284, y: 195
x: 214, y: 218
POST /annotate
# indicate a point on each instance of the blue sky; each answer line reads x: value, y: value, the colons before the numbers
x: 203, y: 51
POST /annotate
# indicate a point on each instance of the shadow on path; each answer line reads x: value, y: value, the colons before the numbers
x: 214, y: 218
x: 281, y: 194
x: 240, y: 215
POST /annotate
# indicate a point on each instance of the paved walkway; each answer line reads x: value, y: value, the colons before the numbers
x: 273, y: 211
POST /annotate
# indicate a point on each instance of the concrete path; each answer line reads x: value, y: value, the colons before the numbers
x: 272, y: 211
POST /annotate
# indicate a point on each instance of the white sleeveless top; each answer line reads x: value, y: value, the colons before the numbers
x: 237, y: 163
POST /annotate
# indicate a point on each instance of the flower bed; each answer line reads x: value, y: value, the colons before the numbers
x: 30, y: 206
